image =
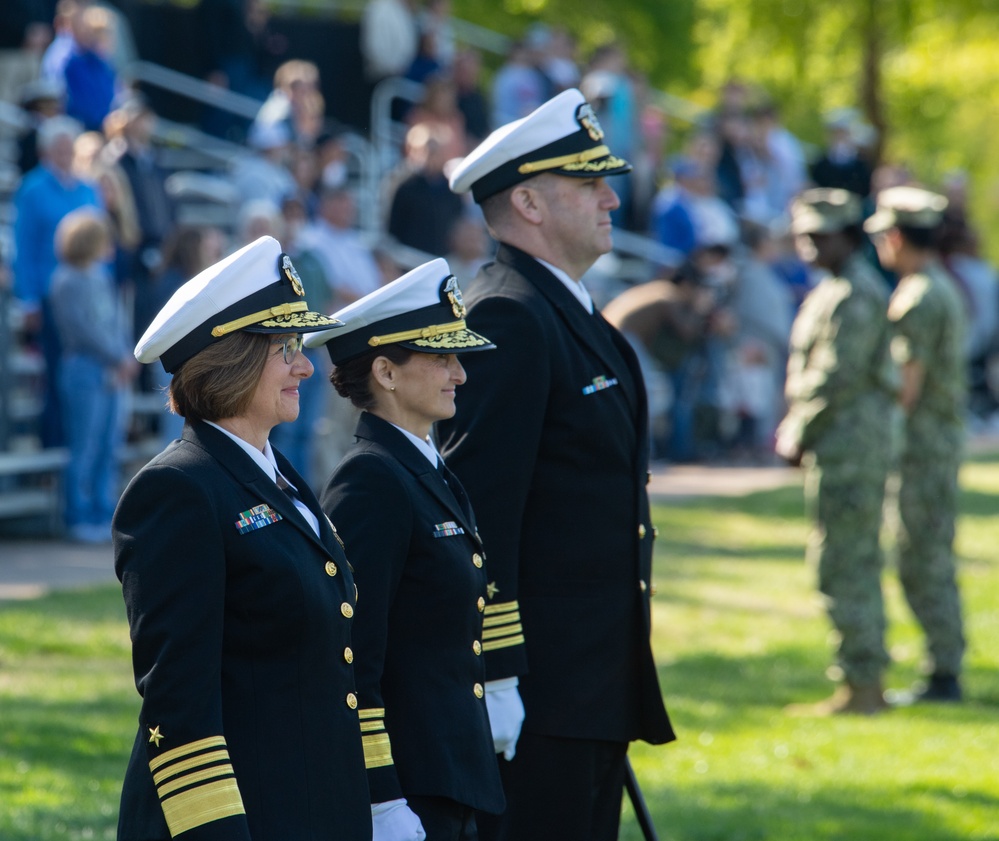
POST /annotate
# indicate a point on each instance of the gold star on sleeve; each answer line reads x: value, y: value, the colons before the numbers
x: 155, y: 737
x: 491, y: 589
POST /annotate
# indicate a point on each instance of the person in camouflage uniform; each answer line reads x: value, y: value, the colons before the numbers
x: 928, y: 324
x: 841, y: 393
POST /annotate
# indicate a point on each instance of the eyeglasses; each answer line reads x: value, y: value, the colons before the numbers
x: 290, y: 346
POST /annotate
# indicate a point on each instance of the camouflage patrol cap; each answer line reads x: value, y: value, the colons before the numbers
x: 906, y: 207
x: 825, y: 211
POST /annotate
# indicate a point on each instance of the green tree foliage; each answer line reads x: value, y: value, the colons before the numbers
x: 924, y: 72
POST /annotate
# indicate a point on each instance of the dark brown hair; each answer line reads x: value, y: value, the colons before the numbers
x: 219, y: 381
x: 352, y: 379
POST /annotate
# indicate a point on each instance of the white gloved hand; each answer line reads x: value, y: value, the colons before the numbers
x: 393, y: 820
x: 506, y: 714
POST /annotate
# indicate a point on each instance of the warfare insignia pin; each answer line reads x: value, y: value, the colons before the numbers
x: 587, y: 118
x: 454, y: 296
x: 292, y: 275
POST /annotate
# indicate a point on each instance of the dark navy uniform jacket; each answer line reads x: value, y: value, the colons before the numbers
x: 418, y: 633
x: 550, y: 440
x: 240, y: 620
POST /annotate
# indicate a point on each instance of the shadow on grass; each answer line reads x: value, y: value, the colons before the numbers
x: 978, y: 504
x: 699, y: 549
x: 63, y: 766
x: 784, y: 502
x: 738, y: 682
x: 70, y: 735
x: 756, y: 811
x: 714, y: 688
x: 84, y: 604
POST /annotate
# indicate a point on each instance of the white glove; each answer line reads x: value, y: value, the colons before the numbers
x: 506, y: 714
x: 393, y: 820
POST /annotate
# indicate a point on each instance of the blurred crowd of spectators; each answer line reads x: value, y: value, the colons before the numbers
x: 711, y: 320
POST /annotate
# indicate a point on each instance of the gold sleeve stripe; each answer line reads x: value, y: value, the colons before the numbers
x: 202, y: 805
x: 505, y: 642
x: 188, y: 764
x: 504, y: 631
x: 187, y: 750
x: 197, y: 777
x: 501, y: 607
x: 372, y: 726
x: 377, y: 750
x: 371, y: 712
x: 501, y: 619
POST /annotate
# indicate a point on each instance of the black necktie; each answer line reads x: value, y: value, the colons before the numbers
x: 282, y: 483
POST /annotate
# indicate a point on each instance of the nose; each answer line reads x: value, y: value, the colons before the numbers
x: 609, y: 199
x: 457, y: 371
x: 302, y: 366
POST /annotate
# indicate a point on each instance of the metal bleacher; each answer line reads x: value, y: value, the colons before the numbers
x: 30, y: 476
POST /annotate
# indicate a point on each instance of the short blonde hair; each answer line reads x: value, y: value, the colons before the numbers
x: 82, y: 237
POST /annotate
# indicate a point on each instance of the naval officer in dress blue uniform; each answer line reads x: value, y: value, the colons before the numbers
x: 551, y: 442
x: 419, y: 561
x: 239, y: 597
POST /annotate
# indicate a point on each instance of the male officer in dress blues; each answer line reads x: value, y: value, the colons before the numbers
x: 550, y: 440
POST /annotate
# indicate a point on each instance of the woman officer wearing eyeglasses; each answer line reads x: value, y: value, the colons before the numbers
x: 239, y: 597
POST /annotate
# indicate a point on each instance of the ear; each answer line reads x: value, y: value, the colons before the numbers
x: 383, y: 372
x: 528, y: 203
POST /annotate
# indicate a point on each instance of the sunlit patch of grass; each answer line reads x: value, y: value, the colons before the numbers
x: 739, y: 633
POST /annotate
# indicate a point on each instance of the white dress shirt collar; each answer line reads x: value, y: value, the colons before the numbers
x: 576, y: 287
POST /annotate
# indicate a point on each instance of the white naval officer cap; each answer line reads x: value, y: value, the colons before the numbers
x: 422, y: 310
x: 255, y: 289
x: 562, y: 136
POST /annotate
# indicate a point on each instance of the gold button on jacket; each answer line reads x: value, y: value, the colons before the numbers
x: 348, y: 655
x: 330, y: 568
x: 478, y: 690
x: 352, y: 700
x: 477, y: 559
x: 346, y: 610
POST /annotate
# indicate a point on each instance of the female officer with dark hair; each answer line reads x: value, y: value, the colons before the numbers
x: 238, y: 594
x: 419, y: 562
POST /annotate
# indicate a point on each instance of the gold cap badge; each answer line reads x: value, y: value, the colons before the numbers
x: 454, y: 296
x: 289, y: 272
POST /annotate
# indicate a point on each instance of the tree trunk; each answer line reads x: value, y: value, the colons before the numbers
x: 870, y: 82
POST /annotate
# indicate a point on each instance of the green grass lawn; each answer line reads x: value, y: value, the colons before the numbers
x: 739, y: 633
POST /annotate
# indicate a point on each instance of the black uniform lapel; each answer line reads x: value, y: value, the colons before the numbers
x: 456, y: 488
x: 327, y: 531
x: 591, y: 330
x: 454, y: 498
x: 245, y: 471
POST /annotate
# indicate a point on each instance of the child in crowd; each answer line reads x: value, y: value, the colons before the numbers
x: 96, y: 365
